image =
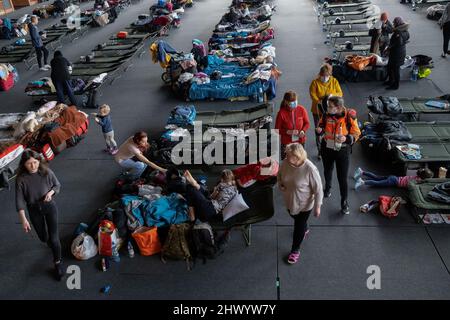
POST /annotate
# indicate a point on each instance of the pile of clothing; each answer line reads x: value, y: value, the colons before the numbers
x: 43, y: 86
x: 389, y: 106
x: 378, y: 138
x: 440, y: 193
x: 410, y: 151
x: 8, y: 76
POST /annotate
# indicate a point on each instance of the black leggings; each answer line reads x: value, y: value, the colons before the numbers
x: 300, y: 227
x: 39, y: 52
x: 44, y: 218
x: 446, y: 33
x: 342, y: 160
x: 198, y: 199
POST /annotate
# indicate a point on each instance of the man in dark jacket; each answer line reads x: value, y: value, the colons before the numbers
x: 397, y: 52
x: 38, y: 44
x: 61, y: 78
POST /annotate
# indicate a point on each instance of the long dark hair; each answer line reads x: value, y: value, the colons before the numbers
x: 27, y: 155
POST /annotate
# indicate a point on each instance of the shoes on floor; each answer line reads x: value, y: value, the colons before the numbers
x: 359, y: 183
x: 345, y: 208
x: 59, y: 271
x: 358, y: 173
x: 293, y: 257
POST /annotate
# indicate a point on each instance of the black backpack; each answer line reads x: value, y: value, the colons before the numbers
x: 204, y: 243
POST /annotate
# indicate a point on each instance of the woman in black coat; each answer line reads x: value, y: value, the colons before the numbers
x: 61, y: 78
x: 397, y: 52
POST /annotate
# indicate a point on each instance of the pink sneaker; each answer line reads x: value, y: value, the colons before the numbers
x: 293, y: 257
x: 114, y: 151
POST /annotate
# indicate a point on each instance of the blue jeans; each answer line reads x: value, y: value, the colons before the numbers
x: 380, y: 181
x: 135, y: 168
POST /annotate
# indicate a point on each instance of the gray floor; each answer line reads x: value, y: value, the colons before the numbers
x: 413, y: 259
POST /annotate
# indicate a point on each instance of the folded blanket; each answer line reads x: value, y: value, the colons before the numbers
x: 69, y: 122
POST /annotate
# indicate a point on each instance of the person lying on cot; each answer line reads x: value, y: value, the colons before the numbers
x: 388, y: 181
x: 205, y: 206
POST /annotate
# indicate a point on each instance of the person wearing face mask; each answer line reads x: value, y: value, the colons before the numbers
x: 292, y: 121
x: 339, y: 130
x: 325, y: 84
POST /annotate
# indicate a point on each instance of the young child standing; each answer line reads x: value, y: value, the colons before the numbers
x: 103, y: 118
x: 388, y: 181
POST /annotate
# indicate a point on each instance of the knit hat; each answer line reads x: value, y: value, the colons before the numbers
x: 398, y: 21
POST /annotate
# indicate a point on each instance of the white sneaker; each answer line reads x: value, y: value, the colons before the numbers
x: 47, y: 66
x: 43, y: 69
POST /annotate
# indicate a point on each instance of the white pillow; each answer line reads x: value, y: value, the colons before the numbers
x: 235, y: 206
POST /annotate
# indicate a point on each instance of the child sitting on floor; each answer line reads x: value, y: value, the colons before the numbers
x: 388, y: 181
x: 104, y: 120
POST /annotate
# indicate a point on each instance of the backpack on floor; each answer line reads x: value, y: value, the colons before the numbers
x: 178, y: 244
x: 204, y: 243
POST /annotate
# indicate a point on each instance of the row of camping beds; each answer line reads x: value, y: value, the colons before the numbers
x: 433, y: 139
x: 421, y: 205
x: 235, y: 86
x: 414, y: 107
x: 324, y: 8
x: 255, y: 118
x: 26, y: 53
x: 423, y: 3
x: 111, y: 57
x: 333, y: 37
x: 329, y: 24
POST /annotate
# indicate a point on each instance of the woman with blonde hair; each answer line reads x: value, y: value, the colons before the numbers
x: 323, y: 85
x: 299, y: 181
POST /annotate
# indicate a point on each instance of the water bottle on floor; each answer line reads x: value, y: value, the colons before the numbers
x: 130, y: 250
x: 414, y: 73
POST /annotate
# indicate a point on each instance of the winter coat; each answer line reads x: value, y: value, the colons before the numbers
x: 397, y: 44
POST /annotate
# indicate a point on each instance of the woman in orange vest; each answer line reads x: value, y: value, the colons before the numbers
x: 339, y: 130
x: 292, y: 121
x: 325, y: 84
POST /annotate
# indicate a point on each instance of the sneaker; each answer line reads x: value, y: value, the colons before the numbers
x: 293, y: 257
x: 344, y: 208
x: 59, y: 271
x: 47, y: 66
x: 444, y: 55
x: 326, y: 193
x: 358, y: 173
x: 359, y: 183
x: 43, y: 69
x: 107, y: 150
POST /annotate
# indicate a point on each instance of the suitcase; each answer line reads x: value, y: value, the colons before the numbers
x: 7, y: 84
x: 122, y: 35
